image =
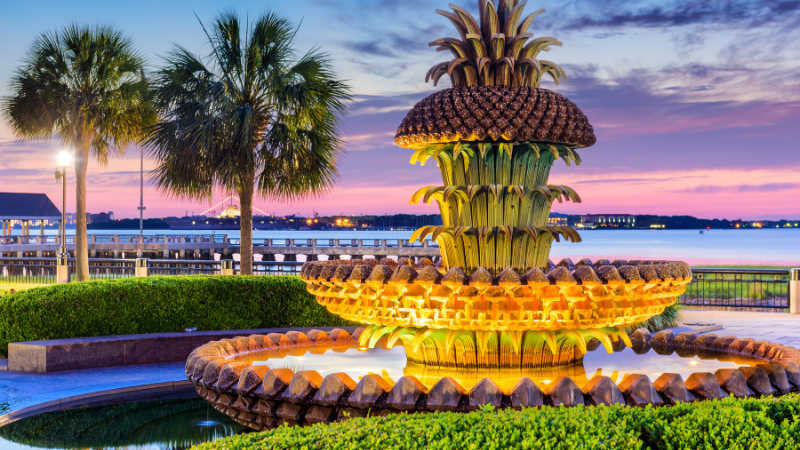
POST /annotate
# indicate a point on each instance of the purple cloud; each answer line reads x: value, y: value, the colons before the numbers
x: 714, y: 189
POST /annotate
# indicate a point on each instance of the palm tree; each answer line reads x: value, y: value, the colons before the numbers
x: 250, y: 118
x: 84, y: 85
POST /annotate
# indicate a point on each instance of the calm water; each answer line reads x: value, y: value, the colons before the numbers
x: 393, y: 364
x: 147, y: 425
x: 760, y: 247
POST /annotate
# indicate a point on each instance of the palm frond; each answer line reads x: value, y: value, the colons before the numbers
x: 248, y: 111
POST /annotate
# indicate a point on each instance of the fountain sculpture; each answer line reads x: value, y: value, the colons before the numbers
x: 496, y: 299
x: 493, y: 321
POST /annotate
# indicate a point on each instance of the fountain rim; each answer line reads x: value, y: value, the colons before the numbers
x: 278, y: 393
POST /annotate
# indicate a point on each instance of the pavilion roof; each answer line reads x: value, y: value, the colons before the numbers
x: 27, y: 206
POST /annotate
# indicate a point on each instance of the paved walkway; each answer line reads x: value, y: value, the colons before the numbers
x: 22, y: 390
x: 766, y: 326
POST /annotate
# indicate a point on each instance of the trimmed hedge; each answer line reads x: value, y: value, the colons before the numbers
x: 750, y: 424
x: 159, y: 304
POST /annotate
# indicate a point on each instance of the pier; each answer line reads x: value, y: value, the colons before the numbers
x: 215, y: 246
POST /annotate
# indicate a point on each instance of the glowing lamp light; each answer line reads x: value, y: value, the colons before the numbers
x: 64, y: 158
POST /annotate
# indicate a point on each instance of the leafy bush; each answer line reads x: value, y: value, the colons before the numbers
x: 159, y: 304
x: 671, y: 317
x: 750, y: 424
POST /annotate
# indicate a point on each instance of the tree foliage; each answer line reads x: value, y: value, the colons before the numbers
x: 85, y: 86
x: 252, y: 113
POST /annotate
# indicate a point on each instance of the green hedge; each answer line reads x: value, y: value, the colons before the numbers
x: 751, y: 424
x: 159, y: 304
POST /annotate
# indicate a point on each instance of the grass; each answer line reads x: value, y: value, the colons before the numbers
x: 10, y: 288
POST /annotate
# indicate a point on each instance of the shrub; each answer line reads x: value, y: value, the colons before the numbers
x: 159, y: 304
x: 671, y: 317
x: 749, y: 424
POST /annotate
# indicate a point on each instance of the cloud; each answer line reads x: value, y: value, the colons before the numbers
x: 654, y: 179
x: 391, y: 44
x: 716, y: 189
x: 622, y: 14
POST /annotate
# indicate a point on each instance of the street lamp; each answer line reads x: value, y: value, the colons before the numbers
x: 62, y: 270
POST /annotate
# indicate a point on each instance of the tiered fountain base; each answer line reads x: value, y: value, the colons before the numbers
x: 452, y: 320
x: 226, y: 374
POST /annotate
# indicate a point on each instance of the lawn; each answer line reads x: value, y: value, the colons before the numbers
x: 7, y: 288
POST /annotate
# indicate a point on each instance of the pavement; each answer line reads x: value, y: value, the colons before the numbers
x: 25, y: 393
x: 761, y: 326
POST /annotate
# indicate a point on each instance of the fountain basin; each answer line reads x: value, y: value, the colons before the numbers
x: 265, y: 381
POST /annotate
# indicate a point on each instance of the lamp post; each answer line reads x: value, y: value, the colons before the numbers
x: 62, y: 269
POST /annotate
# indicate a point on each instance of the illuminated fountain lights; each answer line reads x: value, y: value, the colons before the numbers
x: 493, y: 321
x: 495, y: 299
x: 534, y: 320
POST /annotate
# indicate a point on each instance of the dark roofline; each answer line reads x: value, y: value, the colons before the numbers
x: 27, y: 206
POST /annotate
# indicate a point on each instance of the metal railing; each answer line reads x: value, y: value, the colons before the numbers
x: 33, y: 240
x: 43, y: 270
x: 766, y: 289
x: 338, y: 243
x: 116, y: 238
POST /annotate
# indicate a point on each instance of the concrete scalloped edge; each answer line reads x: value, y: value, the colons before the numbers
x: 290, y: 397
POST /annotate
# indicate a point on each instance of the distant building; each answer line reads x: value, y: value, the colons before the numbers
x: 557, y: 219
x: 231, y: 212
x: 100, y: 217
x: 607, y: 221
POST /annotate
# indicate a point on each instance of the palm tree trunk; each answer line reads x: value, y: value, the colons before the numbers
x: 246, y: 227
x: 81, y: 244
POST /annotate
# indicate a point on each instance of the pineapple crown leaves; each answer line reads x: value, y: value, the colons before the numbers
x: 496, y: 49
x: 512, y: 232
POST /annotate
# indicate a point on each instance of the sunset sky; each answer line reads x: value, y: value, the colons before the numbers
x: 695, y: 104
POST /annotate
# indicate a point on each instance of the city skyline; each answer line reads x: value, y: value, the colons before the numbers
x: 695, y: 105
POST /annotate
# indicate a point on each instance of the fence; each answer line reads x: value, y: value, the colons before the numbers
x: 766, y: 289
x: 116, y: 238
x: 43, y: 270
x: 338, y: 243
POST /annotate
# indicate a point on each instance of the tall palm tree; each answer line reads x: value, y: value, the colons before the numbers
x: 251, y: 117
x: 84, y: 85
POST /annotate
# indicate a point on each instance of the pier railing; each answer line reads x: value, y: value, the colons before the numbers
x: 760, y: 289
x: 43, y: 270
x: 336, y: 243
x: 115, y: 238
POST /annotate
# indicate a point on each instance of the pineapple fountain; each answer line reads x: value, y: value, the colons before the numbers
x: 495, y: 299
x: 493, y: 321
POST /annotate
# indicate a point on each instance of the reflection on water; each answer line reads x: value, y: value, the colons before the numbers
x: 161, y: 424
x: 392, y: 364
